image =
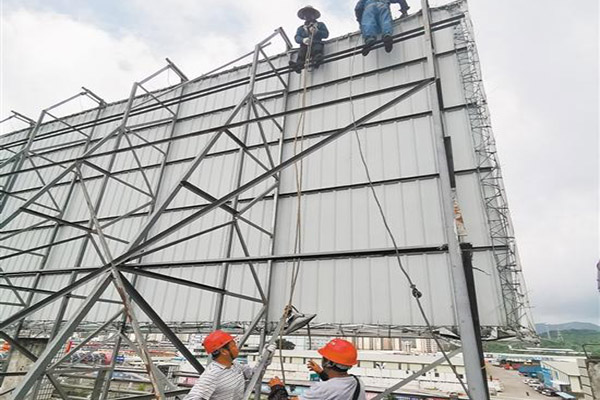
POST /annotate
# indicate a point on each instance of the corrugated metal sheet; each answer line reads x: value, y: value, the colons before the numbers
x: 338, y: 210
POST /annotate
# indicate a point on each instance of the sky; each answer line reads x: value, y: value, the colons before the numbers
x: 541, y: 72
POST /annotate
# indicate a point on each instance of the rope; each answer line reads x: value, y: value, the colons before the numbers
x: 416, y: 293
x: 298, y: 171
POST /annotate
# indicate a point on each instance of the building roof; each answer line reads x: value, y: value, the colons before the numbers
x: 381, y: 356
x: 566, y: 367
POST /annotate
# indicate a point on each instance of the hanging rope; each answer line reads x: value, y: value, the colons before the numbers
x: 298, y: 172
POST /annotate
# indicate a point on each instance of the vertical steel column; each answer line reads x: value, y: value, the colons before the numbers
x: 468, y: 336
x: 118, y: 342
x: 82, y: 250
x: 467, y: 256
x: 238, y: 180
x: 98, y: 384
x: 19, y: 163
x: 33, y: 133
x: 275, y: 208
x: 84, y: 245
x: 270, y: 266
x: 15, y: 159
x: 96, y: 207
x: 53, y: 236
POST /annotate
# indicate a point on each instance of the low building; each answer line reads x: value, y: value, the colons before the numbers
x: 377, y: 369
x: 427, y: 346
x: 563, y: 376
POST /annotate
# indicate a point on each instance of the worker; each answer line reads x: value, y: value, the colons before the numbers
x: 374, y: 18
x: 310, y: 34
x: 224, y: 378
x: 339, y: 356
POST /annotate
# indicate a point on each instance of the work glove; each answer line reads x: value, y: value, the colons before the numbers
x: 269, y: 352
x: 306, y: 41
x: 313, y: 28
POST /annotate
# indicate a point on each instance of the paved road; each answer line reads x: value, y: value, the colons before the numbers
x: 514, y: 388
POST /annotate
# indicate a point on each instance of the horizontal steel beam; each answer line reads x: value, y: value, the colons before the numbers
x: 51, y: 298
x: 45, y: 291
x: 61, y: 221
x: 153, y: 397
x: 382, y: 252
x: 185, y: 282
x: 218, y: 153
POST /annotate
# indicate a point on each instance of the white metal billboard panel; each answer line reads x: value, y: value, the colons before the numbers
x: 348, y: 276
x: 364, y: 291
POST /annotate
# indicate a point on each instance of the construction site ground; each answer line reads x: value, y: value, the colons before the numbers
x: 514, y: 388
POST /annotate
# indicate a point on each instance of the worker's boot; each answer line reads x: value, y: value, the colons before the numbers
x: 367, y: 48
x: 388, y: 43
x: 297, y: 67
x: 317, y: 60
x: 404, y: 12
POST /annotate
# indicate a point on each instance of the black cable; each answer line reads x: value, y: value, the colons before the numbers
x: 416, y: 293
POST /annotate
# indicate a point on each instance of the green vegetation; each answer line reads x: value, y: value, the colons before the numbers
x: 569, y: 339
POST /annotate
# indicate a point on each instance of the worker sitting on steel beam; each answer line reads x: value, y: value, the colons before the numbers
x: 224, y: 378
x: 339, y: 356
x: 310, y: 35
x: 374, y: 18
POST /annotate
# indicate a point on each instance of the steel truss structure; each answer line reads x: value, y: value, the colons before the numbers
x: 96, y: 211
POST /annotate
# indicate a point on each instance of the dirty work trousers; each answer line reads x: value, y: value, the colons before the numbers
x: 376, y: 19
x: 316, y: 53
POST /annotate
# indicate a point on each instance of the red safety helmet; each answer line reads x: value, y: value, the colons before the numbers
x: 216, y: 340
x: 340, y: 351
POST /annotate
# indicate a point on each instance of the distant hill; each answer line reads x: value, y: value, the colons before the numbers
x: 573, y: 339
x: 577, y: 326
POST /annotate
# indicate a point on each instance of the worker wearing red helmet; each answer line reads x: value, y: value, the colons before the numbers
x: 339, y: 356
x: 224, y: 378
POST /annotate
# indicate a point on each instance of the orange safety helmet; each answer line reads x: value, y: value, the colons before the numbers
x: 216, y: 340
x: 340, y: 351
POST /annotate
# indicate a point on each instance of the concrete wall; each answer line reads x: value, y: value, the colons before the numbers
x: 19, y: 363
x: 590, y: 378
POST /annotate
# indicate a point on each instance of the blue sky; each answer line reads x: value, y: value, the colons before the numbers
x: 540, y: 64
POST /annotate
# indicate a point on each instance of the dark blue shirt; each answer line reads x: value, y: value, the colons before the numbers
x: 303, y: 32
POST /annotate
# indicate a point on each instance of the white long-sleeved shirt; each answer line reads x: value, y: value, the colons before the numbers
x: 221, y: 383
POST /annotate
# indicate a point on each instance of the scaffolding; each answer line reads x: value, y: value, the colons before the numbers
x: 82, y: 164
x: 502, y: 239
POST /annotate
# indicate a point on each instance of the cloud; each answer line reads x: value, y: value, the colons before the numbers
x: 47, y: 57
x: 544, y: 105
x: 52, y: 54
x: 202, y: 35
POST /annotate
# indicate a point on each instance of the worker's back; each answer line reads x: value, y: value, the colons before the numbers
x: 340, y: 388
x: 220, y: 383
